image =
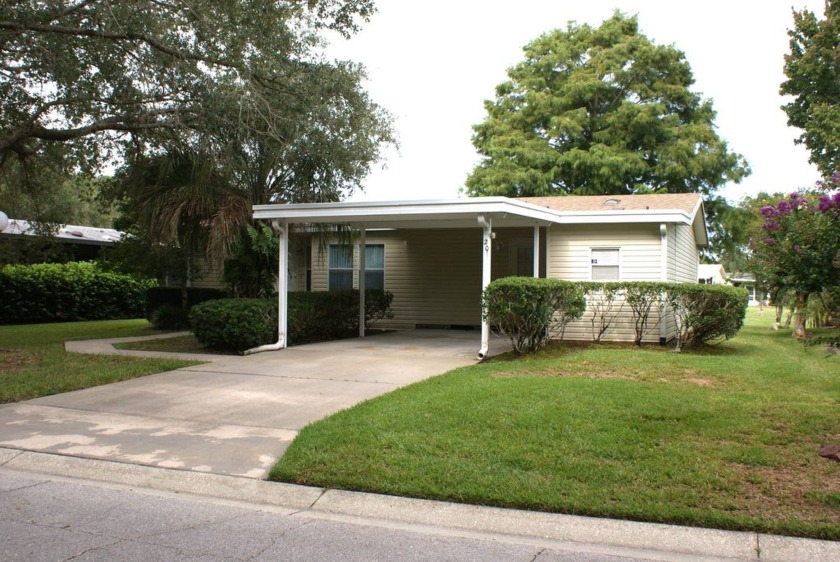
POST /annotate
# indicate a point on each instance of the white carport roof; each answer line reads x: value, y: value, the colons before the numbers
x: 454, y: 213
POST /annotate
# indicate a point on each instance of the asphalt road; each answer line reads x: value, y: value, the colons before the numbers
x: 55, y: 519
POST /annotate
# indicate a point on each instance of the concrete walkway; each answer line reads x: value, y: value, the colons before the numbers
x: 233, y: 415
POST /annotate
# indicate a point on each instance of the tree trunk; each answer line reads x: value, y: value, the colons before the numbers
x: 789, y: 316
x: 799, y: 308
x: 779, y: 310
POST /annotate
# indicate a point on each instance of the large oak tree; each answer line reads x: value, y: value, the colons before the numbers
x: 600, y: 111
x: 90, y: 82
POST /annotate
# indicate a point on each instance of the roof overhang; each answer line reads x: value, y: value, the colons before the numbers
x: 463, y: 213
x: 457, y: 213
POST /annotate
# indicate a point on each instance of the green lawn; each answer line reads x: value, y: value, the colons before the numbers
x: 33, y: 362
x: 724, y: 438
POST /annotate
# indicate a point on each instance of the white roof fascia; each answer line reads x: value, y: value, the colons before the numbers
x: 618, y: 217
x: 404, y: 211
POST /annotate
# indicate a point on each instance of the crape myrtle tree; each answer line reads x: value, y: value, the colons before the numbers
x: 596, y: 111
x: 813, y: 79
x: 799, y: 248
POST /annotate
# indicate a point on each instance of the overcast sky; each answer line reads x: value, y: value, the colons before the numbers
x: 433, y: 63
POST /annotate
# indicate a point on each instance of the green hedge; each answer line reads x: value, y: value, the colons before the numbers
x: 527, y: 310
x: 240, y: 324
x: 706, y: 314
x: 68, y: 292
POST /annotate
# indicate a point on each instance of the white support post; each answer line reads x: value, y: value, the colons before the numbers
x: 536, y: 250
x: 486, y: 246
x: 362, y: 280
x: 283, y: 287
x: 282, y: 293
x: 663, y: 265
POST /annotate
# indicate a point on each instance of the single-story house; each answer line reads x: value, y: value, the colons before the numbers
x: 437, y: 256
x: 757, y: 297
x: 711, y: 274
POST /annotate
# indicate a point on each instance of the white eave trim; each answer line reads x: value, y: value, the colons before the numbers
x: 403, y: 211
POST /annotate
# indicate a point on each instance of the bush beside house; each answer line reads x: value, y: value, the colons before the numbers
x: 529, y: 311
x: 240, y: 324
x: 68, y: 292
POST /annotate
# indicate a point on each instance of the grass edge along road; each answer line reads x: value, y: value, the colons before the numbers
x: 33, y: 361
x: 722, y: 438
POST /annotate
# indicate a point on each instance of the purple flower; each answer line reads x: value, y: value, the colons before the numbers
x: 835, y: 177
x: 769, y: 240
x: 771, y: 226
x: 784, y: 207
x: 797, y: 248
x: 769, y: 211
x: 825, y: 204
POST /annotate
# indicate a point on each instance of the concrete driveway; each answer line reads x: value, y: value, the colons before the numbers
x: 235, y: 415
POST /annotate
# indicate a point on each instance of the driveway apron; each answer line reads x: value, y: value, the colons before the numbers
x: 235, y: 415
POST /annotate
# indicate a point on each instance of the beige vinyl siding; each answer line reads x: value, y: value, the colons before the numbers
x: 639, y: 245
x: 435, y: 276
x: 639, y: 254
x: 687, y: 256
x: 212, y: 276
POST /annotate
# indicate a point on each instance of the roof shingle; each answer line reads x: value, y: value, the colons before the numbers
x: 660, y: 201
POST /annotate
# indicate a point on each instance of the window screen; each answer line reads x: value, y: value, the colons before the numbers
x: 604, y: 264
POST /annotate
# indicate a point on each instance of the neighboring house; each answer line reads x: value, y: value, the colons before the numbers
x: 711, y: 274
x: 436, y: 256
x: 84, y: 242
x: 747, y: 280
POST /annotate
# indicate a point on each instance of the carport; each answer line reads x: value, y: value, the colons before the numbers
x: 477, y: 213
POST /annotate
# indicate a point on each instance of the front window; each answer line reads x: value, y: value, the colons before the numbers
x: 375, y: 266
x: 340, y: 267
x: 605, y: 264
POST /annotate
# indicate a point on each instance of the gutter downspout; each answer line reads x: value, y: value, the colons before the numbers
x: 486, y: 244
x: 282, y: 296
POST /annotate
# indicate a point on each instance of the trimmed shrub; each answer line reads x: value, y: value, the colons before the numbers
x: 643, y: 297
x: 525, y: 309
x: 236, y: 324
x: 706, y: 314
x: 157, y: 297
x: 604, y: 300
x: 312, y: 317
x: 68, y: 292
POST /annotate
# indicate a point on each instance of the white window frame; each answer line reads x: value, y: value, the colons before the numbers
x: 592, y: 266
